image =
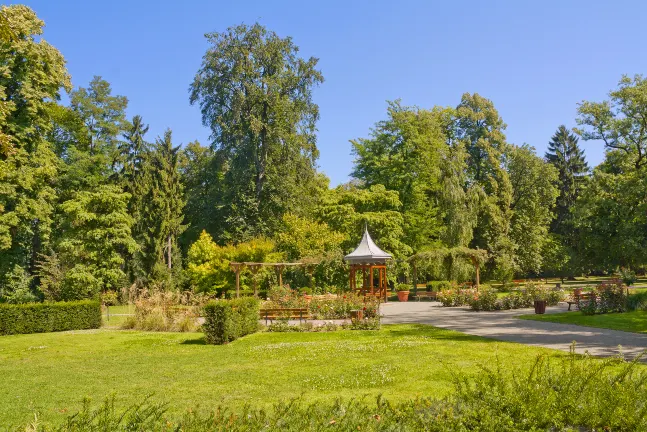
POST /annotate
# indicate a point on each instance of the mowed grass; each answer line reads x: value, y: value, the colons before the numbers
x: 51, y: 373
x: 635, y: 322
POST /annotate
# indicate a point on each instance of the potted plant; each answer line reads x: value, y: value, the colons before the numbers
x: 540, y: 303
x: 403, y: 292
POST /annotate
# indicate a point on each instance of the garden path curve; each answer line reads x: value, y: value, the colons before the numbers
x: 502, y: 325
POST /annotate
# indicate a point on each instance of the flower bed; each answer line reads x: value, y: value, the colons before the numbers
x: 488, y: 300
x: 325, y: 307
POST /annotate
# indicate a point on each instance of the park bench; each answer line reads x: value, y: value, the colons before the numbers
x: 577, y: 299
x: 272, y: 314
x: 426, y: 294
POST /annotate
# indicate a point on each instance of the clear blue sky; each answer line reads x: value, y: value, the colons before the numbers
x: 535, y: 60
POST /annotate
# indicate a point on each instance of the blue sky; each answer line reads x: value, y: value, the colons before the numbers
x: 535, y: 60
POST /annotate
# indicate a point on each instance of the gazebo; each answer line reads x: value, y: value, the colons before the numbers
x: 368, y: 258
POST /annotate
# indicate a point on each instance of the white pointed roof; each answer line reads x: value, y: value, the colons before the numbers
x: 367, y: 251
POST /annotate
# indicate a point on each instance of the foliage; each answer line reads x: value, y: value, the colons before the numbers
x: 565, y: 155
x: 619, y: 121
x: 322, y: 307
x: 282, y: 326
x: 534, y: 193
x: 404, y: 154
x: 163, y: 311
x: 438, y: 285
x: 31, y: 78
x: 110, y: 298
x: 227, y: 320
x: 484, y: 300
x: 49, y: 317
x: 402, y: 287
x: 97, y: 230
x: 455, y: 297
x: 628, y: 276
x: 637, y: 301
x: 208, y: 264
x: 605, y: 298
x: 16, y: 287
x: 455, y: 263
x: 255, y: 95
x: 305, y: 238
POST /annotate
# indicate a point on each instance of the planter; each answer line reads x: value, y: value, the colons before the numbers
x: 577, y: 292
x: 403, y: 296
x: 540, y: 306
x: 357, y: 314
x: 307, y: 297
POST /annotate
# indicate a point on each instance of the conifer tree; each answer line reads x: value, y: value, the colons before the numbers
x: 565, y: 155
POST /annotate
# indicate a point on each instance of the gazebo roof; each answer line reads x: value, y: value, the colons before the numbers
x: 367, y: 251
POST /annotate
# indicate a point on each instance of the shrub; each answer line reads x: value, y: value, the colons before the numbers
x: 607, y: 297
x: 637, y: 301
x: 227, y: 320
x: 340, y: 307
x: 15, y: 288
x: 164, y: 311
x: 456, y: 297
x: 438, y: 285
x: 49, y: 317
x: 110, y: 298
x: 628, y: 276
x: 403, y: 287
x: 484, y: 300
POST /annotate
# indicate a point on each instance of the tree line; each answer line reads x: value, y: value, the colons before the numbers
x: 89, y: 203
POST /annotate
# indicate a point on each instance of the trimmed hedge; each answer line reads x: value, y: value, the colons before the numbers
x: 439, y: 285
x: 227, y: 320
x: 49, y: 317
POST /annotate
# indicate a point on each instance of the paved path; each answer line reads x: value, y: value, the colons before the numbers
x: 503, y: 325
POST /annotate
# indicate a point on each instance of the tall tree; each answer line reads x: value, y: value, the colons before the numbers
x: 479, y: 128
x: 565, y: 155
x: 621, y: 121
x: 255, y: 94
x: 33, y: 74
x: 404, y: 154
x: 164, y: 211
x: 534, y: 193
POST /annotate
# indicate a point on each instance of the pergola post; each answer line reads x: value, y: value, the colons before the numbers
x: 254, y: 268
x: 236, y: 267
x: 279, y: 272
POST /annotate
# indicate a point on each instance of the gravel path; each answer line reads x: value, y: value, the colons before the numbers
x: 504, y: 326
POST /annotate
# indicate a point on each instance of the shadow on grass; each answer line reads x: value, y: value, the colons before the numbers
x: 199, y: 341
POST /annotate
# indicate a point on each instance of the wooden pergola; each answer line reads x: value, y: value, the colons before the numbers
x: 368, y: 259
x: 254, y: 267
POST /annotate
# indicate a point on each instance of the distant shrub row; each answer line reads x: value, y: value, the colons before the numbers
x: 49, y: 317
x: 227, y: 320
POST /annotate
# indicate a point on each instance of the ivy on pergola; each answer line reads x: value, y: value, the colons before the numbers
x: 446, y: 257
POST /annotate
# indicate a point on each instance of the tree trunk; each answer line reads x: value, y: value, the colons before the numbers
x: 168, y: 252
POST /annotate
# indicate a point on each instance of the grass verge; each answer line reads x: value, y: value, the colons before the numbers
x: 635, y: 322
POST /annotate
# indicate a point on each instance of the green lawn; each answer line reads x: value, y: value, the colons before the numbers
x: 114, y: 316
x: 51, y: 373
x: 628, y: 321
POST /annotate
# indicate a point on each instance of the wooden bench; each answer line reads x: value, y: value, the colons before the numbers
x: 575, y: 300
x: 284, y: 313
x: 426, y: 294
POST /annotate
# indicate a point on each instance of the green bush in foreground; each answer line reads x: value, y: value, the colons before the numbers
x: 49, y: 317
x: 227, y: 320
x: 571, y: 393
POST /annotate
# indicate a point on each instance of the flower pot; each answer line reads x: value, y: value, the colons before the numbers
x: 540, y: 306
x: 307, y: 297
x: 577, y: 292
x: 403, y: 296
